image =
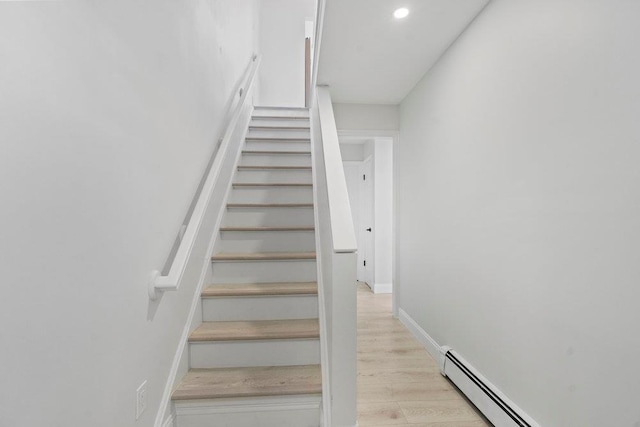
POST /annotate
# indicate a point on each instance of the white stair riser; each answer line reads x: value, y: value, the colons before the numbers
x: 280, y: 112
x: 271, y: 195
x: 266, y: 241
x: 275, y: 160
x: 272, y: 411
x: 264, y: 217
x: 260, y: 308
x: 283, y: 134
x: 264, y: 271
x: 274, y: 176
x: 227, y: 354
x: 258, y: 145
x: 293, y: 123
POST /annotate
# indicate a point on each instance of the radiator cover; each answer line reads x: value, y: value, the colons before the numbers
x: 493, y: 404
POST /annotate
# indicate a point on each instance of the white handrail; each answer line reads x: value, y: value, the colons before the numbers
x: 344, y: 236
x: 336, y: 247
x: 171, y: 281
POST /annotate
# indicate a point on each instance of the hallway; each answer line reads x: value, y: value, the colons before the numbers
x: 398, y: 381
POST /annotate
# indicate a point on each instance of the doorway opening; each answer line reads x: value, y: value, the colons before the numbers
x: 368, y: 166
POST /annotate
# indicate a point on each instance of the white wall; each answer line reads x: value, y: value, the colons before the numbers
x: 109, y: 113
x: 518, y: 206
x: 282, y: 33
x: 352, y: 152
x: 366, y: 117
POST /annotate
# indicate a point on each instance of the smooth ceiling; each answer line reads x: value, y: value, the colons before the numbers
x: 369, y: 57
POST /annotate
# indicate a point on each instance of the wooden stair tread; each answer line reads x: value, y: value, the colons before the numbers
x: 272, y: 184
x: 269, y: 205
x: 256, y: 330
x: 310, y: 228
x: 269, y: 152
x: 284, y: 118
x: 279, y: 168
x: 277, y: 139
x: 249, y: 382
x: 280, y: 108
x: 262, y: 127
x: 262, y: 256
x: 260, y: 289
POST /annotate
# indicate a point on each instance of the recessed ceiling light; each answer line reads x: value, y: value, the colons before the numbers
x: 401, y: 13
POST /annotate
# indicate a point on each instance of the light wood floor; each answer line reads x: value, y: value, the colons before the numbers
x: 399, y: 384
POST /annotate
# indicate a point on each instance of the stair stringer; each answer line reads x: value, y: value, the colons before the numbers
x: 217, y: 205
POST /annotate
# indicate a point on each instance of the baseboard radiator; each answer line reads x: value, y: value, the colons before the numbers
x: 495, y: 406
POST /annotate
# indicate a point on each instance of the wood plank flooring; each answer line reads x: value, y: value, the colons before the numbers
x: 399, y: 384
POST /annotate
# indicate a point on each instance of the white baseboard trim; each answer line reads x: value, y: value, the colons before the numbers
x: 421, y: 335
x: 383, y: 288
x: 439, y: 354
x: 182, y: 349
x: 169, y: 422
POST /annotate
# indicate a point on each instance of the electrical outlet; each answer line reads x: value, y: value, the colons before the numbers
x: 141, y: 399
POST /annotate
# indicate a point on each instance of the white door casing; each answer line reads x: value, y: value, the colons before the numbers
x: 366, y: 232
x: 353, y: 176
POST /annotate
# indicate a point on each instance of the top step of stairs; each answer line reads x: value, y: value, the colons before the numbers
x: 280, y: 112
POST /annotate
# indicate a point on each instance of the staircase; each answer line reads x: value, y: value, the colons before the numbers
x: 255, y: 359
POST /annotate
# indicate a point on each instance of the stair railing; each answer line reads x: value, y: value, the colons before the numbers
x: 336, y: 249
x: 170, y: 281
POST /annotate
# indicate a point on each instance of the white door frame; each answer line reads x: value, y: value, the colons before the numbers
x: 354, y: 167
x: 367, y: 212
x: 347, y: 135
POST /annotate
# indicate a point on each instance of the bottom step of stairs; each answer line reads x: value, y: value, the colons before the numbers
x: 287, y: 396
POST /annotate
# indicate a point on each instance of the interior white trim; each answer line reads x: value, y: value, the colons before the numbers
x: 317, y: 41
x: 421, y: 335
x: 439, y: 354
x: 348, y: 134
x: 356, y: 136
x: 343, y: 234
x: 171, y: 281
x: 182, y: 344
x: 348, y: 140
x: 395, y: 296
